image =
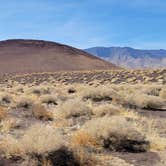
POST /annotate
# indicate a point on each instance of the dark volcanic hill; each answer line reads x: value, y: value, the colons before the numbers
x: 131, y: 58
x: 26, y: 56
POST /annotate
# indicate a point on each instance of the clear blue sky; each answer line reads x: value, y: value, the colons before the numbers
x: 86, y: 23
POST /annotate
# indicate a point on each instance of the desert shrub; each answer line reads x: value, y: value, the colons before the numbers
x: 40, y: 112
x: 49, y: 99
x: 99, y: 94
x: 40, y: 90
x: 71, y: 90
x: 43, y: 145
x: 163, y: 93
x: 130, y: 114
x: 61, y: 123
x: 11, y: 146
x: 19, y: 88
x: 74, y: 108
x: 63, y: 98
x: 116, y: 134
x: 152, y: 90
x: 5, y: 99
x: 24, y: 102
x: 83, y: 157
x: 153, y: 102
x: 41, y: 138
x: 82, y: 138
x: 37, y: 139
x: 141, y: 101
x: 106, y: 109
x: 62, y: 156
x: 3, y: 113
x: 7, y: 124
x: 149, y: 127
x: 65, y: 157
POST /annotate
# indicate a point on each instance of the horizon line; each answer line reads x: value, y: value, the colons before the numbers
x: 53, y: 41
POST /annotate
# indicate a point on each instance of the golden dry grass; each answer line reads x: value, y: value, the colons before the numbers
x: 49, y: 99
x: 163, y: 93
x: 138, y: 100
x: 40, y: 112
x: 106, y: 109
x: 98, y: 93
x: 102, y: 127
x: 73, y: 108
x: 82, y: 117
x: 3, y: 113
x: 5, y: 98
x: 38, y: 139
x: 82, y: 138
x: 25, y: 102
x: 7, y: 124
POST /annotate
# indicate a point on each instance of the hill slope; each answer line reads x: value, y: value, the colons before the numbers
x: 131, y: 58
x: 26, y: 56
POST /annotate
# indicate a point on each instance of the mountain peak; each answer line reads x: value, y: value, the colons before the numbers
x: 27, y: 56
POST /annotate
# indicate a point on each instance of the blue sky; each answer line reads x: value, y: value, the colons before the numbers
x: 86, y: 23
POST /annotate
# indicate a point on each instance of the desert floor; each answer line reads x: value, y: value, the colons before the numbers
x: 90, y: 118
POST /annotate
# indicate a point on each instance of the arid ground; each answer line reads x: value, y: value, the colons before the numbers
x: 90, y: 118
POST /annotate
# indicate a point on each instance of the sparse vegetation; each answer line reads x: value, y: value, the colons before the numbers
x: 49, y: 99
x: 138, y: 100
x: 40, y: 90
x: 99, y: 94
x: 3, y: 113
x: 82, y: 138
x: 106, y: 109
x: 40, y: 112
x: 117, y: 134
x: 81, y: 118
x: 25, y: 102
x: 5, y: 99
x: 163, y: 93
x: 37, y: 139
x: 7, y: 124
x: 74, y: 108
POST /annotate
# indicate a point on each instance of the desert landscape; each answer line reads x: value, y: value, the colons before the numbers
x: 83, y: 118
x: 82, y: 83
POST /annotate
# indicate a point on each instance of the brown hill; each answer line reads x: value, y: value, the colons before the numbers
x: 26, y: 56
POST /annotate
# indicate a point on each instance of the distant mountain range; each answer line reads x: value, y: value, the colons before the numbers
x: 131, y: 58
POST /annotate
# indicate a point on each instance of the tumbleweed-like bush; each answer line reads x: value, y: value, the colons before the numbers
x: 116, y: 134
x: 40, y: 112
x: 74, y: 108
